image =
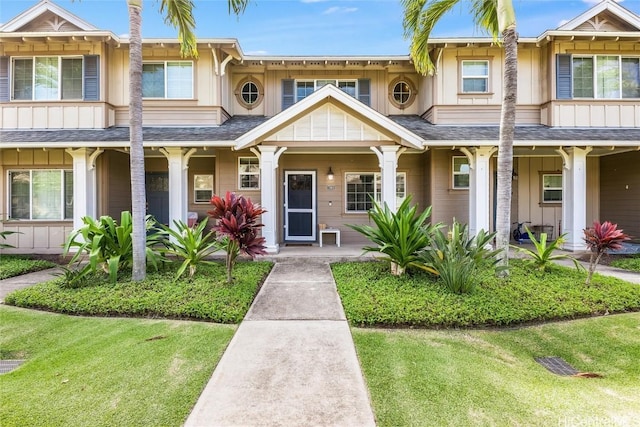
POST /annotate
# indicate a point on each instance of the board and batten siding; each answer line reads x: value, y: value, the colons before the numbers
x: 620, y: 191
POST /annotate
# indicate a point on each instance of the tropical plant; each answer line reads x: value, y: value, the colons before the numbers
x: 456, y: 258
x: 190, y: 244
x: 4, y: 235
x: 543, y: 255
x: 237, y: 227
x: 179, y: 14
x: 399, y: 235
x: 600, y: 239
x: 109, y: 245
x: 496, y: 17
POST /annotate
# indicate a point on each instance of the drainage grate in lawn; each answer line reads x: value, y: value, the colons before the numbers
x: 9, y: 365
x: 557, y: 365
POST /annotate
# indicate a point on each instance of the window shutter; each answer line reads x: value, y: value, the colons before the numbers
x: 4, y: 79
x: 91, y: 78
x: 563, y: 77
x: 288, y: 93
x: 364, y: 91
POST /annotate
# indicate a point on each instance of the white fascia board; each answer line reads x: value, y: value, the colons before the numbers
x: 548, y: 35
x: 611, y: 6
x: 30, y: 14
x: 406, y: 137
x: 115, y: 144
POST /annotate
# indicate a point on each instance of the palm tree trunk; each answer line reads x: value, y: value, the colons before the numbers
x: 505, y: 148
x: 138, y: 193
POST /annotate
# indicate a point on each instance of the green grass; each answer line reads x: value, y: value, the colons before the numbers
x: 628, y: 263
x: 14, y: 265
x: 372, y: 297
x: 489, y: 377
x: 205, y: 297
x: 104, y: 372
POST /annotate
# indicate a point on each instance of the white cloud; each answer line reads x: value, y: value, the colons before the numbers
x: 338, y: 9
x: 594, y: 2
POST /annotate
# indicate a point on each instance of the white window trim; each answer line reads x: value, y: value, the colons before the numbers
x: 594, y: 58
x: 241, y: 174
x: 195, y: 189
x: 166, y: 77
x: 543, y: 189
x: 454, y: 172
x: 33, y: 77
x: 377, y: 177
x: 463, y: 76
x: 62, y: 194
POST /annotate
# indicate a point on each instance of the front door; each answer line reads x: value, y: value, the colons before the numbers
x: 300, y: 206
x: 157, y: 188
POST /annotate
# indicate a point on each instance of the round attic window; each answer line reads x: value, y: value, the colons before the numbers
x: 401, y: 92
x: 249, y: 93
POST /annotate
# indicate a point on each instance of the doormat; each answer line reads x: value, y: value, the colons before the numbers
x: 298, y: 244
x: 557, y: 365
x: 7, y: 366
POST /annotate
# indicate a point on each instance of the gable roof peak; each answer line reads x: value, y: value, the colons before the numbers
x: 40, y: 8
x: 611, y: 6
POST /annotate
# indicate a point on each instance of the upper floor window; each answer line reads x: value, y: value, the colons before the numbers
x: 475, y: 76
x: 52, y: 78
x: 41, y: 194
x: 460, y: 172
x: 249, y: 173
x: 361, y: 186
x: 249, y: 93
x: 598, y: 76
x: 402, y: 92
x: 296, y: 90
x: 168, y: 80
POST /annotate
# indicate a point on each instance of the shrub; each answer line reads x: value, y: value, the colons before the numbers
x: 399, y: 235
x: 600, y: 239
x: 108, y: 245
x: 543, y: 254
x: 237, y: 227
x: 629, y: 263
x: 190, y: 244
x: 457, y: 259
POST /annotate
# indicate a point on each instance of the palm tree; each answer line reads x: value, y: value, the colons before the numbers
x: 178, y: 13
x: 497, y: 17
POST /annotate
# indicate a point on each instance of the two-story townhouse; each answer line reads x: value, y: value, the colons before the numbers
x: 312, y: 138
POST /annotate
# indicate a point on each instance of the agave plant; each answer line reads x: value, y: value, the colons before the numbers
x: 456, y: 258
x: 237, y: 227
x: 191, y: 244
x: 108, y: 245
x: 399, y: 235
x: 600, y: 239
x: 543, y: 255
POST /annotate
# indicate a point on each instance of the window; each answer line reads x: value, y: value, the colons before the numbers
x: 44, y: 194
x: 475, y: 76
x: 249, y: 93
x: 47, y: 78
x: 361, y: 186
x: 296, y: 90
x: 401, y: 92
x: 551, y: 188
x: 598, y: 76
x: 460, y: 172
x: 249, y: 173
x: 202, y: 188
x: 167, y: 80
x: 305, y: 88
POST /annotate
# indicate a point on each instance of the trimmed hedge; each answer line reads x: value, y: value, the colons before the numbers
x: 205, y: 297
x: 372, y: 297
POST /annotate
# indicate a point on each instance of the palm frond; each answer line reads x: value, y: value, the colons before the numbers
x: 179, y: 14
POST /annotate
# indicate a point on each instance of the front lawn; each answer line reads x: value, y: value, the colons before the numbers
x: 104, y: 372
x: 205, y: 297
x: 15, y: 265
x: 489, y: 377
x: 372, y: 297
x: 627, y: 263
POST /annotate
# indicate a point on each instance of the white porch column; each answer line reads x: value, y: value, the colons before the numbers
x: 479, y: 188
x: 178, y: 163
x: 269, y: 156
x: 84, y: 184
x: 574, y: 196
x: 388, y: 159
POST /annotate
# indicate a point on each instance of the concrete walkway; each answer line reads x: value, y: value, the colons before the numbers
x: 18, y: 282
x: 292, y: 360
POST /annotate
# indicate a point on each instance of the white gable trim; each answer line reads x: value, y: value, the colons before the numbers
x: 45, y: 6
x: 308, y: 104
x: 608, y: 5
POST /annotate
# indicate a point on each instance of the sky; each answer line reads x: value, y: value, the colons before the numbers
x: 311, y: 27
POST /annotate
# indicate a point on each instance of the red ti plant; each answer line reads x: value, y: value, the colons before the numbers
x: 601, y: 238
x: 237, y: 223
